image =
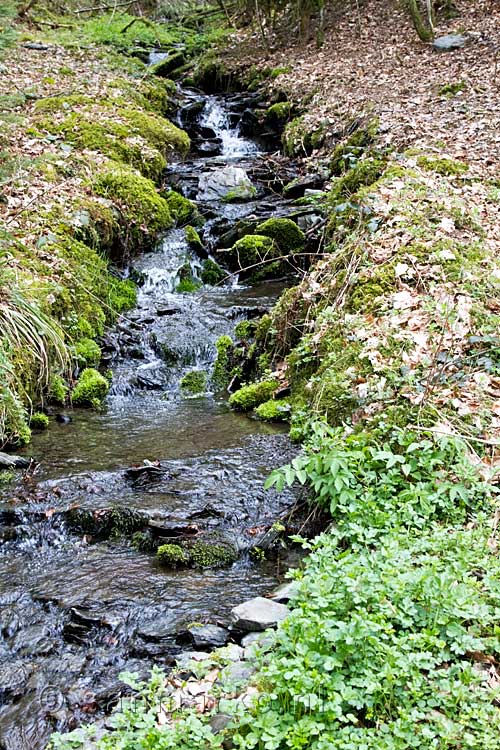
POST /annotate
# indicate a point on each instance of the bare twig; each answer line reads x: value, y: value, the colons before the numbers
x: 99, y: 8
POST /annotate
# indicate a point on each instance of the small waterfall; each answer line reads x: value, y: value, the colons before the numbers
x: 233, y: 144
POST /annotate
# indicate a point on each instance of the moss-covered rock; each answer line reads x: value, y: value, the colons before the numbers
x: 194, y: 382
x: 274, y: 410
x: 363, y: 173
x: 142, y: 139
x: 105, y: 523
x: 207, y: 553
x: 181, y: 208
x: 245, y: 329
x: 210, y: 554
x: 143, y: 541
x: 299, y: 139
x: 223, y: 363
x: 39, y: 421
x: 277, y: 115
x: 172, y: 556
x: 145, y: 212
x: 250, y: 396
x: 188, y: 282
x: 165, y: 67
x: 211, y: 273
x: 88, y: 352
x: 90, y: 389
x: 251, y: 253
x: 122, y: 295
x: 240, y: 194
x: 286, y: 234
x: 193, y: 239
x: 347, y: 154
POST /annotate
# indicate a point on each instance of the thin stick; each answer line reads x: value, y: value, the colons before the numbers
x: 105, y: 7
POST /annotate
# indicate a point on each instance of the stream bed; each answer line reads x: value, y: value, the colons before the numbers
x: 75, y: 612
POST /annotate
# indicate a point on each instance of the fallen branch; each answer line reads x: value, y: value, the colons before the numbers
x: 99, y: 8
x: 52, y: 24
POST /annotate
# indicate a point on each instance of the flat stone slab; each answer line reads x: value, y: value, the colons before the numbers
x: 204, y: 636
x: 450, y: 42
x: 258, y: 614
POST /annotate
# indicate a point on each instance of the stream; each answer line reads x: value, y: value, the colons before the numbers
x: 75, y: 611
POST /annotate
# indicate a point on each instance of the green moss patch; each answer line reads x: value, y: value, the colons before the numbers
x: 287, y: 235
x: 39, y: 421
x: 193, y: 239
x: 90, y: 389
x: 194, y: 382
x: 250, y: 396
x: 182, y: 209
x: 211, y: 273
x: 88, y: 352
x: 223, y: 363
x: 274, y: 411
x: 145, y: 211
x: 197, y: 554
x: 442, y: 165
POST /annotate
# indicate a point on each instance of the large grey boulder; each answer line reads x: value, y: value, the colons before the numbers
x: 450, y: 42
x: 229, y: 182
x: 258, y: 614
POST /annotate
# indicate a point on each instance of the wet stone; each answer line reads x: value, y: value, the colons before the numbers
x: 14, y: 676
x: 258, y: 614
x: 183, y: 660
x: 238, y: 672
x: 13, y: 462
x: 285, y: 592
x: 158, y: 629
x: 204, y: 636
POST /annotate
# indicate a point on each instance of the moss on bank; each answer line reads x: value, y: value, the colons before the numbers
x: 354, y: 341
x: 100, y: 146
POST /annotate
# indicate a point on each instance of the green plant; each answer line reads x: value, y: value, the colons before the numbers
x: 385, y: 648
x: 31, y: 343
x: 372, y: 483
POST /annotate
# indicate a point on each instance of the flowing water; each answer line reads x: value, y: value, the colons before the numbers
x: 75, y: 612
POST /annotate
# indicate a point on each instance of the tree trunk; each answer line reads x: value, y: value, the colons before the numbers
x: 425, y: 33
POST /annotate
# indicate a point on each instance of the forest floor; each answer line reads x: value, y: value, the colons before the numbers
x: 375, y: 65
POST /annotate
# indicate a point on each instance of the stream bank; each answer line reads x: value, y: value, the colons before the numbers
x: 162, y: 465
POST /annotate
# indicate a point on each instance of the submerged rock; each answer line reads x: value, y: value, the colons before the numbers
x: 229, y: 183
x: 258, y: 614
